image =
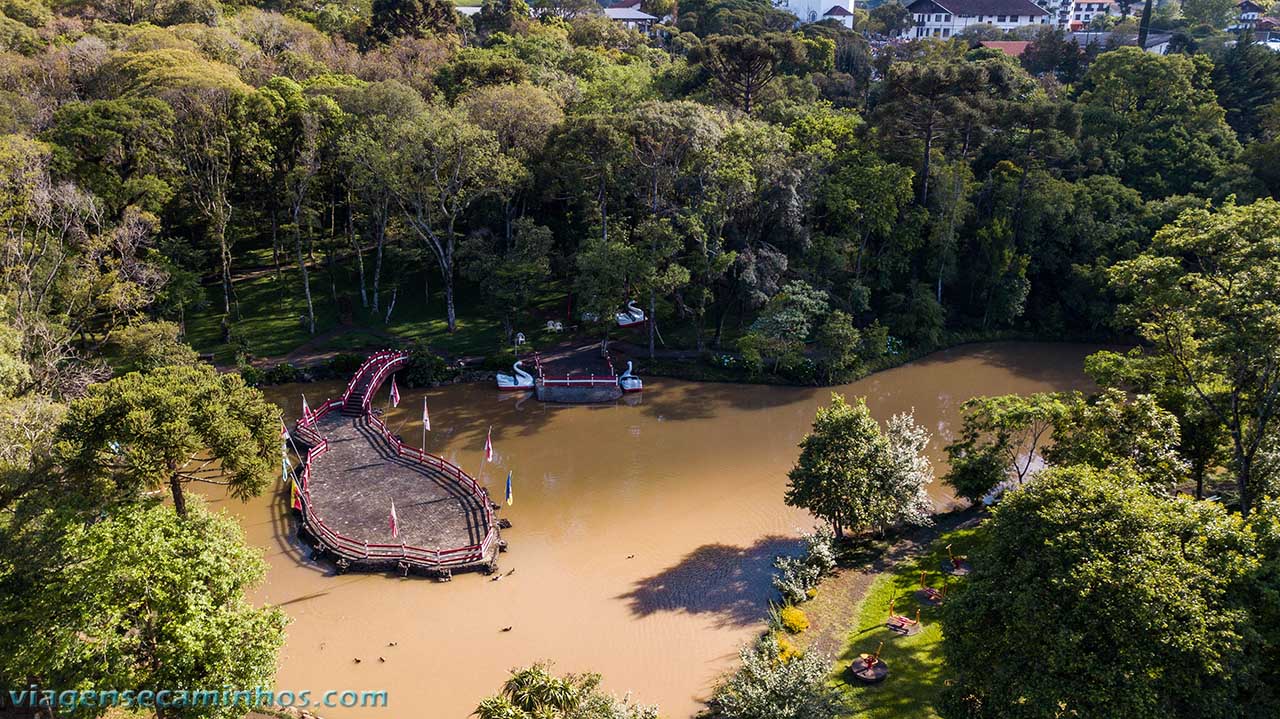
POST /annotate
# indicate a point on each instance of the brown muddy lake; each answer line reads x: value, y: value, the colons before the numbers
x: 642, y: 540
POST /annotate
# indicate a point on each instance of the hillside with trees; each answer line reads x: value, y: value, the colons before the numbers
x: 194, y: 182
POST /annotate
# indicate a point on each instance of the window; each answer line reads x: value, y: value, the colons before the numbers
x: 937, y: 32
x: 946, y: 18
x: 1001, y: 19
x: 946, y: 32
x: 937, y: 18
x: 1077, y: 16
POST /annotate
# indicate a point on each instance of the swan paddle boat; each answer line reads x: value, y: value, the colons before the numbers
x: 632, y: 317
x: 629, y: 382
x: 520, y: 381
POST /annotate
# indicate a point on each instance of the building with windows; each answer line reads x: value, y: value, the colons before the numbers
x: 1083, y: 12
x: 946, y: 18
x: 817, y: 10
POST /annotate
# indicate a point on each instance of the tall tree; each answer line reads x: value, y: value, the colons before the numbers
x: 444, y: 164
x: 1129, y: 605
x: 1206, y: 295
x: 1001, y: 437
x: 166, y: 428
x: 852, y: 476
x: 1154, y: 120
x: 149, y: 601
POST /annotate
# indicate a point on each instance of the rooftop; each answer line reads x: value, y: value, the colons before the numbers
x: 626, y: 13
x: 1009, y: 47
x: 973, y: 8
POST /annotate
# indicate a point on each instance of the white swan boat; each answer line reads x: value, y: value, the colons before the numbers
x: 520, y: 381
x: 629, y: 382
x: 633, y: 316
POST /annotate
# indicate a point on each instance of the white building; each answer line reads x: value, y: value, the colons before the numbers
x: 946, y: 18
x: 1084, y: 11
x: 818, y: 10
x: 632, y: 18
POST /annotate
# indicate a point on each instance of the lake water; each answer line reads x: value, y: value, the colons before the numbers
x: 642, y: 536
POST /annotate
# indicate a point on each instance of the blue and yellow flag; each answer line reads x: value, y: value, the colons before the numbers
x: 510, y: 498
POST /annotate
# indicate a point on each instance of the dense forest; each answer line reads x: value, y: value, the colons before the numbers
x: 796, y: 203
x: 803, y: 196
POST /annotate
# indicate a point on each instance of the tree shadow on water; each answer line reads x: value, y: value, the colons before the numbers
x: 731, y: 584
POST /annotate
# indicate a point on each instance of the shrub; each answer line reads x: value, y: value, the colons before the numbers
x: 793, y: 620
x: 251, y: 375
x: 345, y: 363
x: 767, y: 686
x: 797, y: 576
x: 282, y: 373
x: 426, y: 368
x: 787, y: 649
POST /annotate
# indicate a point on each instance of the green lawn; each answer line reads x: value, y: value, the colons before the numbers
x: 915, y: 663
x: 272, y: 313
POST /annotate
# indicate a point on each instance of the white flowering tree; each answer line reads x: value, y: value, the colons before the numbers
x: 910, y: 472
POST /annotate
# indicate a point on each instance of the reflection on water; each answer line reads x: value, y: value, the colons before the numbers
x: 643, y: 535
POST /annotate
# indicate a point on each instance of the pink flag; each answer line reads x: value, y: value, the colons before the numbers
x: 395, y: 521
x: 488, y: 446
x: 395, y: 392
x: 426, y: 418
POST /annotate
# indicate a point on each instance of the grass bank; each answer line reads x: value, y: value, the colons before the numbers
x: 917, y: 674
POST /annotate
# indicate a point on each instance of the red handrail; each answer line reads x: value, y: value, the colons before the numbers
x: 355, y: 549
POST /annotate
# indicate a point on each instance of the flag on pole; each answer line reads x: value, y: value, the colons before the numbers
x: 488, y: 446
x: 395, y: 521
x: 510, y: 497
x: 284, y: 429
x: 426, y: 418
x: 306, y: 411
x: 285, y: 465
x: 294, y: 500
x: 395, y: 392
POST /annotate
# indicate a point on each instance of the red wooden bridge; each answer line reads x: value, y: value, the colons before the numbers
x: 355, y: 467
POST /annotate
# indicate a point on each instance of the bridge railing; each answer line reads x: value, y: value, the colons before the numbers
x: 593, y: 380
x: 357, y: 549
x: 372, y: 359
x: 393, y: 361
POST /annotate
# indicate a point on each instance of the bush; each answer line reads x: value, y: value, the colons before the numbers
x: 251, y: 375
x: 345, y: 363
x: 787, y: 649
x: 426, y: 368
x: 793, y: 619
x: 797, y: 576
x: 769, y: 686
x: 283, y: 373
x: 974, y: 475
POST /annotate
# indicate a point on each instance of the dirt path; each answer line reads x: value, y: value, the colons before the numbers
x: 831, y: 612
x: 311, y: 352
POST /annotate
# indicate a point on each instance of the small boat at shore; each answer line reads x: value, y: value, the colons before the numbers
x: 629, y: 382
x: 632, y: 317
x: 517, y: 382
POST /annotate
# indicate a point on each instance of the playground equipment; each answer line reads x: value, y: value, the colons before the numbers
x: 956, y: 564
x: 870, y: 668
x: 930, y: 595
x: 901, y: 625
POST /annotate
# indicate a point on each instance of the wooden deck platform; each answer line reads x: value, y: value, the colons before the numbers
x: 354, y: 483
x: 353, y: 471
